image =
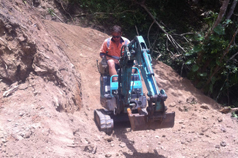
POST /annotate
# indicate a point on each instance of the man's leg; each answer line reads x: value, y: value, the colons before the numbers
x: 112, y: 69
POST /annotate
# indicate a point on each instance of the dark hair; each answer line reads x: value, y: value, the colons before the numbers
x: 116, y: 29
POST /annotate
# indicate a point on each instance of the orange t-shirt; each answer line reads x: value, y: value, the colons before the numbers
x: 110, y: 46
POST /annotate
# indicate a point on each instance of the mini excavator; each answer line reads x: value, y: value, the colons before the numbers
x: 124, y: 100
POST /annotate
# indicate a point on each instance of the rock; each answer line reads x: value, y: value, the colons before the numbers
x: 217, y: 146
x: 223, y: 129
x: 108, y: 155
x: 21, y: 113
x: 94, y: 149
x: 36, y: 3
x: 184, y: 108
x: 205, y: 129
x: 122, y: 145
x: 26, y: 133
x: 38, y: 70
x: 204, y: 106
x: 89, y: 149
x: 21, y: 39
x: 108, y: 138
x: 191, y: 100
x: 4, y: 140
x: 188, y: 140
x: 181, y: 121
x: 10, y: 91
x: 223, y: 144
x: 225, y: 110
x: 128, y: 129
x: 180, y: 102
x: 173, y: 104
x: 1, y: 134
x: 180, y: 109
x: 219, y: 119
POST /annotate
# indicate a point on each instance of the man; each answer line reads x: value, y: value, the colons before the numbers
x: 111, y: 47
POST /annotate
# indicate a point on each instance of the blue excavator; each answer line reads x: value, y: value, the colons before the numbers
x: 123, y: 100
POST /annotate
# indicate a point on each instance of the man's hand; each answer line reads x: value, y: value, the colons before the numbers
x: 102, y: 55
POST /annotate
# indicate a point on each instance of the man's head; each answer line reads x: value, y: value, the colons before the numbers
x: 116, y: 33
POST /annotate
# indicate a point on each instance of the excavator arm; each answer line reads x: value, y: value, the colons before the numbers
x: 154, y: 116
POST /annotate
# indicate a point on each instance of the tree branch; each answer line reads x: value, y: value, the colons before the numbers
x: 136, y: 30
x: 233, y: 56
x: 233, y: 6
x: 232, y: 40
x: 66, y: 11
x: 152, y: 47
x: 148, y: 34
x: 169, y: 37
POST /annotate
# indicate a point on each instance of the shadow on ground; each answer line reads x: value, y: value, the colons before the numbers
x: 120, y: 130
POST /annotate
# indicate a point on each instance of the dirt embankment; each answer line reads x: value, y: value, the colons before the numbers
x: 48, y: 71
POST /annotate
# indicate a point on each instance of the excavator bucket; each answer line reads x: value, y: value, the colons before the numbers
x: 143, y: 122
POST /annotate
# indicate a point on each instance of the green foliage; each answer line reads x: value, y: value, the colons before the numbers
x: 220, y: 30
x: 51, y: 11
x: 233, y: 114
x: 211, y: 17
x: 213, y: 71
x: 195, y: 68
